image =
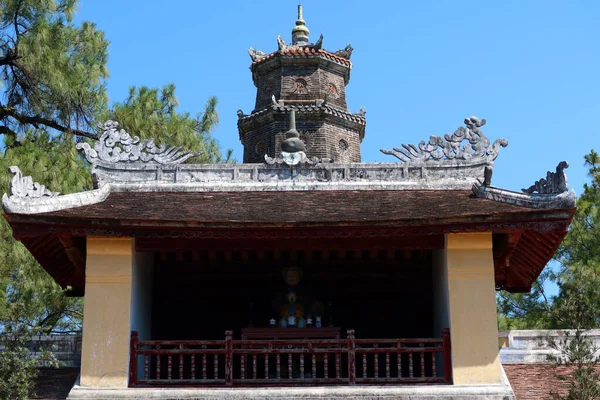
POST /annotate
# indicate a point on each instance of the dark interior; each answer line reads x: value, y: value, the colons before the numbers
x: 380, y: 293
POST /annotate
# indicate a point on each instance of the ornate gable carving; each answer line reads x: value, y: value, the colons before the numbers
x: 116, y: 145
x: 451, y: 147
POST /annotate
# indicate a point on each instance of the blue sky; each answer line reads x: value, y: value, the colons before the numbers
x: 531, y: 68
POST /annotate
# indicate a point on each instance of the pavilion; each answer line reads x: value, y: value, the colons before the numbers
x: 303, y: 269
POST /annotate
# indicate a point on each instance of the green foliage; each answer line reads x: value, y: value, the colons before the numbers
x: 28, y: 296
x: 52, y: 77
x: 52, y: 71
x: 579, y: 352
x: 151, y: 114
x: 18, y: 368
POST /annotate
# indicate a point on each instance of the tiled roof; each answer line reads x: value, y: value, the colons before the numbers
x: 304, y: 52
x: 314, y: 207
x: 307, y: 108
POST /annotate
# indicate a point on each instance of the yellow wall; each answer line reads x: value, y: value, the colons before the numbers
x: 105, y: 345
x: 472, y: 306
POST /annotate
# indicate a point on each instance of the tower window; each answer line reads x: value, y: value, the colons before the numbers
x: 343, y: 145
x: 300, y: 86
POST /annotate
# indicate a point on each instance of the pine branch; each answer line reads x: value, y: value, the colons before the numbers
x: 38, y: 120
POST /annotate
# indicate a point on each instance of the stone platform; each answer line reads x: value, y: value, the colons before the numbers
x: 408, y: 392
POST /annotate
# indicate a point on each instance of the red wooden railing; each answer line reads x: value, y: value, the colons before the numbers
x: 294, y: 361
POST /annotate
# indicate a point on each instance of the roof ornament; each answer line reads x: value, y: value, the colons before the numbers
x: 319, y: 44
x: 555, y: 182
x: 346, y: 52
x: 552, y: 192
x: 29, y: 197
x: 255, y: 54
x: 300, y: 32
x: 24, y: 186
x: 449, y: 146
x: 281, y: 44
x: 116, y: 145
x: 292, y: 148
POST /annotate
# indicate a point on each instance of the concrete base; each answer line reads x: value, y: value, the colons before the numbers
x: 408, y: 392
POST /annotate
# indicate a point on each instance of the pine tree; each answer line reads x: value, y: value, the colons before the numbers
x: 53, y: 72
x: 152, y: 114
x: 53, y: 76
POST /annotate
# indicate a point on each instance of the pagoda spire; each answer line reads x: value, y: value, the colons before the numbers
x: 300, y: 32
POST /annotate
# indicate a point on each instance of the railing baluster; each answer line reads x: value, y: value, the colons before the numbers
x: 399, y: 345
x: 337, y: 365
x: 180, y: 363
x: 254, y: 357
x: 376, y: 360
x: 364, y: 365
x: 204, y: 369
x: 433, y: 369
x: 193, y: 366
x: 387, y: 365
x: 289, y: 360
x: 267, y: 366
x: 133, y: 359
x: 447, y: 346
x: 326, y: 375
x: 422, y: 360
x: 228, y: 358
x: 158, y: 363
x: 278, y: 366
x: 243, y: 367
x: 410, y: 365
x: 169, y: 366
x: 301, y: 365
x: 351, y: 357
x: 146, y: 364
x: 216, y: 362
x: 314, y: 366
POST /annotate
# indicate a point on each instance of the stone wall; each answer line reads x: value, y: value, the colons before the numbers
x: 531, y: 346
x: 66, y: 348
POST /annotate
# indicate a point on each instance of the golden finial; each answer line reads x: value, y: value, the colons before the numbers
x: 300, y: 32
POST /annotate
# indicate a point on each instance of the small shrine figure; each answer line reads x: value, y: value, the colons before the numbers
x: 292, y: 313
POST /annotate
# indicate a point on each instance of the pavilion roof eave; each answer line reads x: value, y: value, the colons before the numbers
x: 438, y: 187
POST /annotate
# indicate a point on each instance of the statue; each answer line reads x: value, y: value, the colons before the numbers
x: 292, y: 276
x: 292, y: 313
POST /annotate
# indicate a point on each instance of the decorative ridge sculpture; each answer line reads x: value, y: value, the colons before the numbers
x: 449, y: 147
x: 29, y: 197
x: 555, y: 182
x: 24, y: 186
x: 292, y: 148
x: 116, y: 145
x: 552, y: 192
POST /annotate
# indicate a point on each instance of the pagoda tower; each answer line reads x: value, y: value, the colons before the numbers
x: 303, y: 77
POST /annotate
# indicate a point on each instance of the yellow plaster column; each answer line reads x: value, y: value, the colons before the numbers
x: 472, y: 306
x: 106, y: 318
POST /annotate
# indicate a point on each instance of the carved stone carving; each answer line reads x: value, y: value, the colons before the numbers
x: 291, y: 159
x: 281, y: 44
x: 255, y: 54
x: 24, y: 186
x: 449, y: 146
x: 28, y: 197
x: 346, y: 52
x: 555, y: 182
x: 115, y: 145
x: 319, y: 44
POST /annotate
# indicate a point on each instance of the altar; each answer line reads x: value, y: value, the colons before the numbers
x: 291, y: 333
